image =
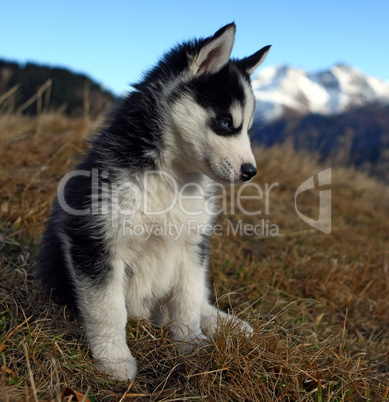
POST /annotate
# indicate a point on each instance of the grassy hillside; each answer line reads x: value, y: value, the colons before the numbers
x: 318, y: 303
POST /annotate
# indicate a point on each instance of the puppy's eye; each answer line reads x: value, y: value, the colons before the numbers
x: 226, y: 124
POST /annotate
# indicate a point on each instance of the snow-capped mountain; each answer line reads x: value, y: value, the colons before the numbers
x: 279, y: 89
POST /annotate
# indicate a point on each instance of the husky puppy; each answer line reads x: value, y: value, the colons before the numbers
x: 128, y: 234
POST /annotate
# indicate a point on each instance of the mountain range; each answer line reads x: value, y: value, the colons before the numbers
x: 340, y: 114
x: 280, y: 90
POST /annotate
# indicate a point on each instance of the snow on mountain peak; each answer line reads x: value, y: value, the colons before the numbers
x: 278, y: 89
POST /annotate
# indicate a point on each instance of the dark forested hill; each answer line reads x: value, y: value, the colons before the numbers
x: 53, y: 88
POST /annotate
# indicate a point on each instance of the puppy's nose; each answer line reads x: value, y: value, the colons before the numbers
x: 248, y: 171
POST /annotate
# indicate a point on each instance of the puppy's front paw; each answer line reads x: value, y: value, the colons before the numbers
x: 187, y: 339
x: 213, y: 320
x: 189, y: 343
x: 124, y: 370
x: 244, y: 327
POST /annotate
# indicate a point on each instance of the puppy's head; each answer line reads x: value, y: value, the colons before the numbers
x: 212, y: 109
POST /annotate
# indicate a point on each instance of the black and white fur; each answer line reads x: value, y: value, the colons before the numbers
x: 188, y: 119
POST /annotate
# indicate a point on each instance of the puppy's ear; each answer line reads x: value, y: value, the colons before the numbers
x: 251, y: 63
x: 214, y: 53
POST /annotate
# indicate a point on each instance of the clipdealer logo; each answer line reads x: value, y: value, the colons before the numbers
x: 324, y: 222
x: 125, y: 199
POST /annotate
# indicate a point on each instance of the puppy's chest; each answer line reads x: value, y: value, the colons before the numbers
x: 183, y: 209
x: 166, y: 220
x: 161, y: 238
x: 182, y: 225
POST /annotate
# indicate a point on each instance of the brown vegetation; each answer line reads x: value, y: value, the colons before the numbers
x: 318, y: 303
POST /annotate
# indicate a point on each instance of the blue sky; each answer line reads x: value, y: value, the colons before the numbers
x: 115, y: 41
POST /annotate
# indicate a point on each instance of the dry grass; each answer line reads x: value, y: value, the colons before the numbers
x: 319, y: 303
